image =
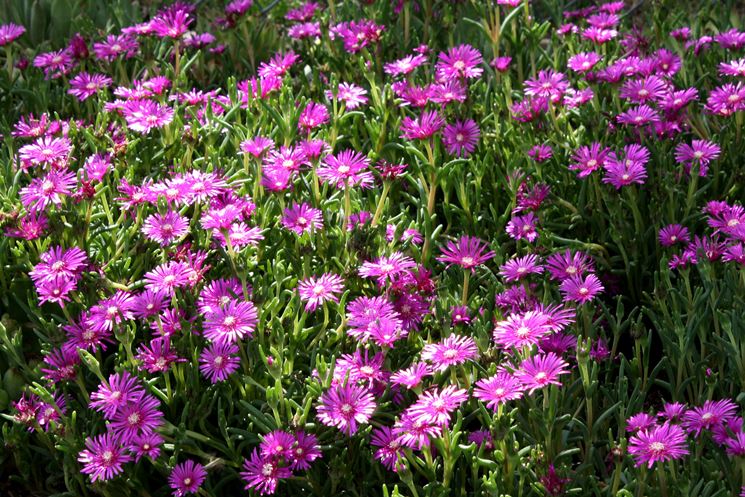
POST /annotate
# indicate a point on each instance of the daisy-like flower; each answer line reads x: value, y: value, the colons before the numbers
x: 588, y: 159
x: 405, y: 65
x: 115, y: 46
x: 541, y: 370
x: 459, y: 314
x: 522, y: 330
x: 643, y: 90
x: 10, y: 32
x: 186, y: 478
x: 46, y: 150
x: 54, y: 64
x: 540, y: 153
x: 415, y: 432
x: 733, y: 68
x: 623, y: 170
x: 146, y: 446
x: 346, y: 168
x: 262, y: 474
x: 68, y: 263
x: 144, y: 115
x: 549, y: 84
x: 565, y: 265
x: 523, y: 227
x: 412, y: 376
x: 56, y: 290
x: 352, y: 95
x: 461, y: 138
x: 451, y: 351
x: 583, y: 62
x: 86, y: 85
x: 313, y: 116
x: 165, y: 228
x: 639, y: 116
x: 498, y: 389
x: 304, y: 451
x: 699, y: 152
x: 658, y: 444
x: 467, y: 252
x: 171, y: 23
x: 121, y: 389
x: 103, y: 457
x: 579, y: 289
x: 518, y: 268
x: 232, y: 322
x: 316, y: 291
x: 639, y: 422
x: 423, y: 127
x: 167, y: 277
x: 346, y: 407
x: 218, y: 361
x: 501, y: 64
x: 672, y: 234
x: 136, y: 418
x: 435, y: 407
x: 390, y: 453
x: 459, y: 62
x: 257, y: 146
x: 387, y: 267
x: 49, y: 189
x: 277, y: 445
x: 302, y: 218
x: 711, y: 414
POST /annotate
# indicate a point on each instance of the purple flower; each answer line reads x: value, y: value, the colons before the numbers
x: 389, y: 450
x: 522, y: 330
x: 46, y: 150
x: 518, y: 268
x: 218, y: 361
x: 346, y: 407
x: 498, y: 389
x: 623, y: 170
x: 86, y: 85
x: 672, y: 234
x: 165, y: 228
x: 579, y: 289
x: 316, y: 291
x: 305, y: 451
x: 144, y: 115
x: 232, y: 322
x: 146, y: 445
x: 428, y: 123
x: 186, y: 478
x: 711, y: 414
x: 461, y: 138
x: 10, y: 32
x: 462, y: 61
x: 583, y: 62
x: 412, y: 376
x: 139, y: 417
x: 541, y: 370
x: 313, y: 116
x: 49, y: 189
x: 639, y: 116
x: 660, y: 443
x: 588, y: 159
x: 549, y: 84
x: 387, y: 267
x: 262, y: 474
x: 565, y: 265
x: 639, y: 422
x: 103, y: 457
x: 277, y: 445
x: 302, y: 218
x: 523, y: 227
x: 345, y: 169
x: 451, y: 351
x: 434, y: 407
x: 467, y: 252
x: 121, y: 389
x: 699, y: 152
x: 405, y: 65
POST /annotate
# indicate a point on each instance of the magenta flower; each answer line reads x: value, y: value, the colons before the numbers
x: 433, y: 407
x: 352, y: 95
x: 426, y: 125
x: 165, y: 228
x: 672, y: 234
x: 623, y: 170
x: 387, y: 267
x: 115, y: 46
x: 583, y: 62
x: 643, y: 90
x: 49, y: 189
x: 639, y: 422
x: 468, y: 252
x: 103, y: 457
x: 262, y: 474
x: 660, y: 443
x: 565, y: 265
x: 523, y: 227
x: 733, y: 68
x: 522, y: 330
x: 346, y: 168
x: 302, y: 218
x: 86, y: 85
x: 412, y: 376
x: 146, y: 446
x: 711, y: 414
x: 317, y: 291
x: 461, y: 138
x: 498, y: 389
x: 462, y: 61
x: 540, y: 153
x: 46, y: 150
x: 404, y: 66
x: 541, y: 370
x: 144, y: 115
x: 346, y: 407
x: 699, y: 152
x: 389, y: 450
x: 364, y: 312
x: 304, y: 451
x: 165, y: 278
x: 257, y: 146
x: 218, y: 361
x: 186, y: 478
x: 639, y: 116
x: 57, y: 261
x: 415, y: 432
x: 121, y: 389
x: 451, y: 351
x: 173, y: 22
x: 518, y: 268
x: 549, y: 84
x: 501, y: 64
x: 313, y: 116
x: 137, y: 418
x: 232, y: 322
x: 581, y: 290
x: 588, y: 159
x: 10, y: 32
x: 55, y: 64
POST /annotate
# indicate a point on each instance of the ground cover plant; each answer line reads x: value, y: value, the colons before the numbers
x: 418, y: 248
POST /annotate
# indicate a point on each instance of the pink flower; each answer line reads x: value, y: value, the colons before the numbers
x: 316, y: 291
x: 541, y: 370
x: 428, y: 123
x: 459, y: 62
x: 461, y: 138
x: 302, y: 218
x: 451, y: 351
x: 581, y: 290
x: 345, y: 169
x: 435, y: 407
x: 583, y: 62
x: 232, y: 322
x: 165, y: 228
x: 660, y: 443
x: 85, y: 85
x: 467, y: 252
x: 186, y: 478
x: 346, y: 407
x: 498, y: 389
x: 103, y: 457
x: 144, y: 115
x: 263, y: 474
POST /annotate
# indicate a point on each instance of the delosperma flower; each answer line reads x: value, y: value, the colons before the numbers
x: 316, y: 291
x: 468, y: 252
x: 498, y: 389
x: 103, y: 457
x: 186, y: 478
x: 346, y: 407
x: 232, y: 322
x: 658, y: 444
x: 451, y: 351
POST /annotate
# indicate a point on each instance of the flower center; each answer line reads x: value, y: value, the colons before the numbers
x: 450, y: 354
x: 267, y: 469
x: 522, y: 331
x: 229, y: 321
x: 346, y: 408
x: 133, y: 419
x: 467, y: 261
x: 107, y: 456
x: 657, y: 447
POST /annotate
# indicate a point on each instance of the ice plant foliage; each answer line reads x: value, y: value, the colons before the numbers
x: 374, y: 248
